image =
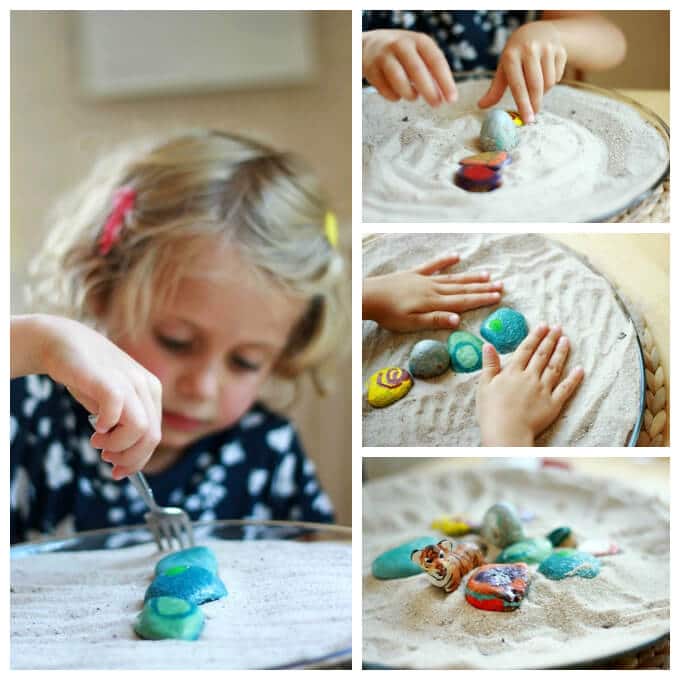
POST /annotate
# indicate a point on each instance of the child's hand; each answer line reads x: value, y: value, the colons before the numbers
x: 405, y: 64
x: 125, y: 397
x: 420, y: 298
x: 532, y: 62
x: 515, y: 404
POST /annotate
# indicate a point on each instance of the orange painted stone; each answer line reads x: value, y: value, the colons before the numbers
x: 498, y: 587
x: 489, y: 159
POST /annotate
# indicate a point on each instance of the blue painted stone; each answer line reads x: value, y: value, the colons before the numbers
x: 529, y: 551
x: 396, y: 562
x: 198, y: 556
x: 502, y: 526
x: 169, y: 618
x: 193, y: 584
x: 504, y: 329
x: 465, y: 351
x: 567, y: 562
x: 499, y: 132
x: 428, y: 359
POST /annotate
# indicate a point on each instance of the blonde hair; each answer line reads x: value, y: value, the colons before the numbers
x: 195, y: 185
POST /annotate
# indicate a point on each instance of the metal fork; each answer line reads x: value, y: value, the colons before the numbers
x: 165, y: 523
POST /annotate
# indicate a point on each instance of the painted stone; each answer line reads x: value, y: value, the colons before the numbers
x: 477, y: 178
x: 445, y: 564
x: 388, y: 385
x: 198, y: 556
x: 531, y: 551
x: 428, y: 359
x: 465, y: 351
x: 501, y: 525
x: 600, y: 547
x: 489, y: 159
x: 562, y: 537
x: 504, y: 329
x: 454, y: 525
x: 396, y: 562
x: 498, y: 587
x: 499, y: 132
x: 567, y: 562
x: 516, y: 118
x: 165, y: 618
x: 193, y: 584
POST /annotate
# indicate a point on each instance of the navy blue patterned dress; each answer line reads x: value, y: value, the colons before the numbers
x: 471, y: 40
x: 59, y: 484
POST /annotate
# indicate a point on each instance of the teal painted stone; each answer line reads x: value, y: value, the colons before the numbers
x: 193, y: 584
x: 396, y: 562
x: 428, y: 359
x: 559, y: 536
x: 567, y: 562
x: 169, y: 618
x: 530, y: 551
x: 505, y: 329
x: 502, y: 526
x: 499, y: 132
x: 465, y: 351
x: 198, y: 556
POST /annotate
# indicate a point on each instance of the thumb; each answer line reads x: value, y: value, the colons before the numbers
x: 491, y: 364
x: 495, y: 91
x: 437, y: 320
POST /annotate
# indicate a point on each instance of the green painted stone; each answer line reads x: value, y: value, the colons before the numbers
x: 568, y: 562
x: 396, y: 562
x: 193, y: 584
x: 505, y: 329
x: 198, y: 556
x: 559, y: 536
x: 530, y: 551
x: 465, y: 351
x: 428, y: 359
x: 502, y: 526
x: 169, y: 618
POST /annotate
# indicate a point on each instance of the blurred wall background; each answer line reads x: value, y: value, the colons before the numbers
x: 57, y: 132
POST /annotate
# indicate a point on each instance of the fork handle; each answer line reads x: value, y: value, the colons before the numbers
x: 139, y: 482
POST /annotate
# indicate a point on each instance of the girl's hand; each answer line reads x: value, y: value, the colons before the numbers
x: 422, y: 298
x: 404, y: 64
x: 515, y: 404
x: 125, y: 397
x: 532, y: 62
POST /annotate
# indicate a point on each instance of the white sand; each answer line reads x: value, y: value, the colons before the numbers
x: 287, y: 602
x: 409, y: 623
x: 587, y: 156
x: 546, y: 283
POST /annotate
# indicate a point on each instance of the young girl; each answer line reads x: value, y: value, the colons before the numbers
x: 410, y: 53
x: 192, y: 271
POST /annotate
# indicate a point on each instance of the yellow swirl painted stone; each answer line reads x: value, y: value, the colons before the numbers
x: 388, y: 385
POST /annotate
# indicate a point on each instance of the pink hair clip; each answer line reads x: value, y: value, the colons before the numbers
x: 123, y: 202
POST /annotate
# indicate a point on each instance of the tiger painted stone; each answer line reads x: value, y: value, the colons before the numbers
x: 445, y: 565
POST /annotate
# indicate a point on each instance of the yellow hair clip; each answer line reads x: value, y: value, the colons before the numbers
x: 330, y: 227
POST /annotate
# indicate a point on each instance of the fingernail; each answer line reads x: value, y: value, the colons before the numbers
x: 486, y: 274
x: 557, y: 327
x: 531, y: 118
x: 496, y: 296
x: 497, y: 284
x: 454, y: 319
x: 563, y: 340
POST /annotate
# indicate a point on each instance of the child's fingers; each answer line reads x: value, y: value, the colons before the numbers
x: 468, y: 288
x: 397, y: 79
x: 560, y: 64
x: 568, y: 386
x: 526, y: 350
x: 437, y: 265
x: 553, y: 371
x: 419, y: 75
x: 439, y: 68
x: 515, y: 75
x: 468, y: 301
x: 438, y: 319
x: 544, y: 351
x: 533, y: 76
x: 491, y: 364
x: 467, y: 277
x: 380, y: 83
x: 495, y: 91
x: 548, y: 68
x: 134, y: 458
x: 133, y: 425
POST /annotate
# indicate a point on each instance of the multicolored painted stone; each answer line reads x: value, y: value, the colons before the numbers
x: 445, y: 564
x: 388, y: 385
x: 465, y: 351
x: 567, y: 562
x: 562, y: 537
x: 164, y: 618
x: 198, y: 556
x: 489, y: 159
x: 499, y: 132
x: 531, y: 551
x: 600, y: 547
x: 396, y: 562
x: 501, y: 525
x: 505, y: 329
x: 516, y: 118
x: 454, y: 525
x: 498, y: 587
x: 428, y: 359
x: 477, y: 178
x: 193, y: 584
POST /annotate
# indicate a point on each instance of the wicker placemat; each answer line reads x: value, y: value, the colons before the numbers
x: 654, y: 208
x: 653, y: 431
x: 656, y: 656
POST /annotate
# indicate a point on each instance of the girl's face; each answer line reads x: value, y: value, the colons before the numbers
x: 213, y: 345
